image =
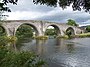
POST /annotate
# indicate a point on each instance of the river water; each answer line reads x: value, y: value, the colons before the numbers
x: 60, y: 52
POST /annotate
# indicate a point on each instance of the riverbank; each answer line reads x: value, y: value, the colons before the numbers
x: 82, y: 35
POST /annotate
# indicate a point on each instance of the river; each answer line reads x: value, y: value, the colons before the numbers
x: 60, y: 52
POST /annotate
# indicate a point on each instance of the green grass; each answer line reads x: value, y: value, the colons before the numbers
x: 83, y: 35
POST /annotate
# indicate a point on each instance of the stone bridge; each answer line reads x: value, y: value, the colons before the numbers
x: 40, y: 27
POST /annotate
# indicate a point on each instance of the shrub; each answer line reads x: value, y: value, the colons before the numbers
x: 65, y: 37
x: 4, y: 40
x: 19, y: 59
x: 42, y: 37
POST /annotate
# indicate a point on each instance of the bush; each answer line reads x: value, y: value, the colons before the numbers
x: 65, y: 37
x: 42, y: 37
x: 19, y: 59
x: 4, y: 40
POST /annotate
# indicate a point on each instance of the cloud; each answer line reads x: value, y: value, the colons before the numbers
x: 28, y: 5
x: 24, y: 15
x: 26, y: 10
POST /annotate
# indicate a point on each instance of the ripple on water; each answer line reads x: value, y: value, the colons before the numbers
x: 69, y: 60
x: 63, y: 53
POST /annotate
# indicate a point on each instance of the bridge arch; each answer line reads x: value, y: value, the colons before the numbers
x: 56, y: 27
x: 32, y: 26
x: 70, y: 30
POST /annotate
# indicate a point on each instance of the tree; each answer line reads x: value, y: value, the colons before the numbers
x: 3, y: 7
x: 2, y: 16
x: 72, y: 22
x: 76, y: 4
x: 24, y: 31
x: 88, y: 28
x: 51, y: 32
x: 3, y: 4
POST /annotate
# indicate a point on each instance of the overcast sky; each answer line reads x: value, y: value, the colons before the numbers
x: 26, y: 10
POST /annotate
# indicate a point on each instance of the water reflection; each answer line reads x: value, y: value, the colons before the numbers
x: 70, y: 48
x: 59, y: 52
x: 63, y: 46
x: 40, y: 46
x: 44, y: 47
x: 60, y: 47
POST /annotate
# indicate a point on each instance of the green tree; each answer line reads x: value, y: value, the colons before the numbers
x: 88, y: 28
x: 51, y: 32
x: 69, y: 33
x: 76, y: 4
x: 24, y: 31
x: 3, y: 4
x: 72, y: 22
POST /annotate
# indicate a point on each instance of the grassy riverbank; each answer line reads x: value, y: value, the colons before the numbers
x: 83, y: 35
x: 75, y: 36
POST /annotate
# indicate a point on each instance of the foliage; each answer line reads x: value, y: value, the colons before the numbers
x: 4, y: 40
x: 65, y: 37
x: 51, y: 32
x: 19, y: 59
x: 88, y: 28
x: 72, y: 22
x: 24, y: 31
x: 68, y: 33
x: 2, y: 16
x: 11, y: 39
x: 3, y: 4
x: 76, y: 4
x: 41, y: 37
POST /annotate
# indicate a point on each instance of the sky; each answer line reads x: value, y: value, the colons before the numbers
x: 26, y: 10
